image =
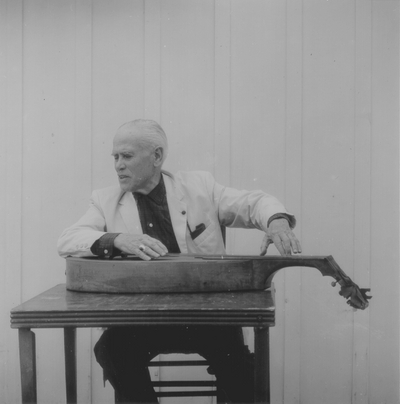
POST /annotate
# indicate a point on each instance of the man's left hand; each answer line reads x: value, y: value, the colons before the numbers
x: 280, y: 233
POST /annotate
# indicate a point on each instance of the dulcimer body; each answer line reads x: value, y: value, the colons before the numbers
x: 181, y: 273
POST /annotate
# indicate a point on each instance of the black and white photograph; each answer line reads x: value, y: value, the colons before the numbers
x: 199, y: 201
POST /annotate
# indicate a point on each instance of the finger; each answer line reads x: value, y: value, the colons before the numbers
x: 264, y: 245
x: 159, y: 247
x: 156, y: 245
x: 141, y: 254
x: 278, y: 244
x: 295, y: 244
x: 147, y: 250
x: 286, y: 243
x: 298, y: 246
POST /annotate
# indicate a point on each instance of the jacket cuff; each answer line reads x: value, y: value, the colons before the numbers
x: 290, y: 218
x: 104, y: 246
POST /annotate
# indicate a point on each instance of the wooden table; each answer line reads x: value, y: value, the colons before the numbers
x: 60, y: 308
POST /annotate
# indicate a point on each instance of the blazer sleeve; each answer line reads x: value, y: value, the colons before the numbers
x: 246, y: 209
x: 77, y: 239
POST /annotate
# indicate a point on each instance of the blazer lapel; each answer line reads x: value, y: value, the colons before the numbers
x: 177, y: 210
x: 129, y: 213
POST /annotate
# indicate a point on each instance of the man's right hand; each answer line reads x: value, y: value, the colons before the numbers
x: 141, y: 245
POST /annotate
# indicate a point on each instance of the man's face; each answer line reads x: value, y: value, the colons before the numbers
x: 134, y: 164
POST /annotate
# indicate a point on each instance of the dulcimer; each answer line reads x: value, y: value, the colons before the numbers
x: 191, y: 273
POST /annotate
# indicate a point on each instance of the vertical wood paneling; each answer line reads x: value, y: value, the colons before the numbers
x: 79, y: 186
x: 11, y: 122
x: 152, y: 60
x: 327, y: 191
x: 257, y: 106
x: 362, y: 193
x: 187, y: 83
x: 258, y: 60
x: 81, y: 183
x: 222, y: 92
x: 291, y: 318
x: 384, y: 335
x: 117, y: 78
x: 49, y: 124
x: 222, y: 99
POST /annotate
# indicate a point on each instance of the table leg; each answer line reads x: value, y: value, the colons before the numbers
x: 70, y: 364
x: 262, y: 376
x: 27, y: 358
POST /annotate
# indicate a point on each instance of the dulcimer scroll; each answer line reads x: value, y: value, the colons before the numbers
x: 180, y: 273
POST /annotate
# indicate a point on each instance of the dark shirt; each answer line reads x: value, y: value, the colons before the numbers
x: 154, y: 219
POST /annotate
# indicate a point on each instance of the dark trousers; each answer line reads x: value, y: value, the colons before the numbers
x: 124, y: 353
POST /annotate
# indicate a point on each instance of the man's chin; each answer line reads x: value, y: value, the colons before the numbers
x: 125, y: 187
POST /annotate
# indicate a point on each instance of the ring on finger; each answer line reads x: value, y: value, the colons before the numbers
x: 142, y: 247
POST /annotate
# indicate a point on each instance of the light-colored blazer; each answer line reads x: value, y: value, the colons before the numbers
x: 193, y: 198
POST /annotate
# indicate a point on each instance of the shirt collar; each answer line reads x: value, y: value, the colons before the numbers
x: 157, y: 195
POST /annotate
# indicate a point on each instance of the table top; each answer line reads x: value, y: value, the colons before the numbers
x: 60, y: 308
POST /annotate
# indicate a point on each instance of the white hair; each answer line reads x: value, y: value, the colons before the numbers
x: 151, y: 134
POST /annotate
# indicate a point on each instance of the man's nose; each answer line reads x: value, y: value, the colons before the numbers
x: 119, y: 165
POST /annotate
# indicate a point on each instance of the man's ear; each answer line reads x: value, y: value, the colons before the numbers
x: 158, y: 156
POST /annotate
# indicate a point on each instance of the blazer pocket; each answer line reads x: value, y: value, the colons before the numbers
x: 201, y: 238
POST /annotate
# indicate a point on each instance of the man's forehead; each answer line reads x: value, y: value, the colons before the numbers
x: 125, y: 141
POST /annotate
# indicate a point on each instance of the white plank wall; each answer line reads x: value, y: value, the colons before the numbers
x: 296, y: 97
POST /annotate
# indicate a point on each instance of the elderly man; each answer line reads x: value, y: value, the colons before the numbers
x: 150, y: 214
